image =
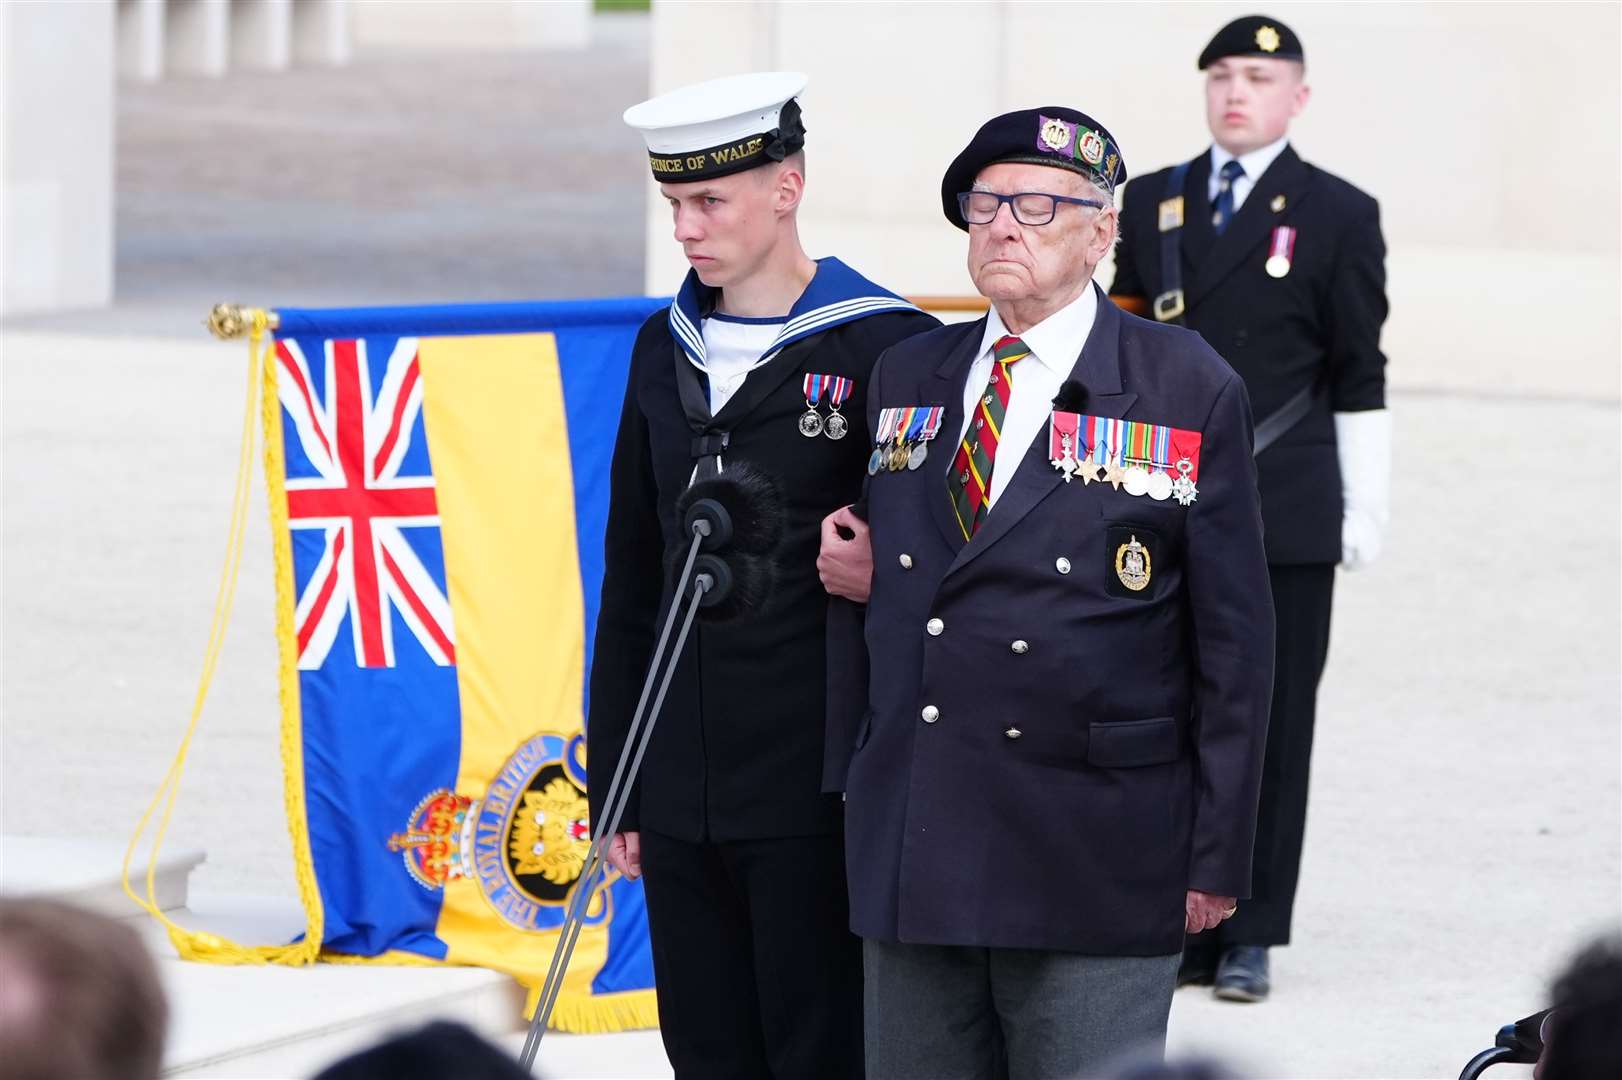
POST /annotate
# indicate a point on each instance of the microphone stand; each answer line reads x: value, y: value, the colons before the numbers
x: 619, y: 789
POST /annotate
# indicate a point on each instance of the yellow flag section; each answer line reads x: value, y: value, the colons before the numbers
x: 499, y: 441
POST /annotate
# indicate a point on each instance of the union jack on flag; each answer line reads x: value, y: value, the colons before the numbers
x: 373, y: 501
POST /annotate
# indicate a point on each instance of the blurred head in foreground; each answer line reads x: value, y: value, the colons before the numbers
x: 79, y: 996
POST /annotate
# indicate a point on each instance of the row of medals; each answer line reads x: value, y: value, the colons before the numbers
x: 1136, y: 478
x: 812, y: 424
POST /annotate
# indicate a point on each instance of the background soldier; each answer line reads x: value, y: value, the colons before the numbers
x: 1281, y: 267
x: 762, y: 360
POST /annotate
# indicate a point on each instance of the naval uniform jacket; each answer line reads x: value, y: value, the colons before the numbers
x: 737, y: 751
x: 1141, y: 715
x: 1318, y: 325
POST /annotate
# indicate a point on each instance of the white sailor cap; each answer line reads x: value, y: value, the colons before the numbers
x: 722, y: 126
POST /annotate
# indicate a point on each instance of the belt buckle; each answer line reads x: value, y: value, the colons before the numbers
x: 1169, y: 305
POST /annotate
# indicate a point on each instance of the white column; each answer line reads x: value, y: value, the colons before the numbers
x: 197, y: 37
x: 321, y: 36
x: 57, y: 73
x: 261, y: 34
x: 140, y: 39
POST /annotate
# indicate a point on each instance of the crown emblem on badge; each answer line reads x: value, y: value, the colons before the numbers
x: 432, y: 843
x: 1267, y: 39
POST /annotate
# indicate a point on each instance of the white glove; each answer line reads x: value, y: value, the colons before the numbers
x: 1363, y: 441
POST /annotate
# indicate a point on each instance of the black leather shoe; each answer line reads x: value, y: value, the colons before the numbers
x: 1242, y: 974
x: 1198, y: 967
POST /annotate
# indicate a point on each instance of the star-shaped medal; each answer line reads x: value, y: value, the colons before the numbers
x: 1087, y: 470
x: 1114, y: 474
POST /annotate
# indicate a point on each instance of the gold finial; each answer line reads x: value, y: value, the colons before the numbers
x: 230, y: 321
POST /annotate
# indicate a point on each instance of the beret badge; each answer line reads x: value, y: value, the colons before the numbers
x: 1055, y: 134
x: 1267, y: 39
x: 1090, y: 148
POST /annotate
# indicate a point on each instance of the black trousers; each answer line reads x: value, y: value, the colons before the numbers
x: 1302, y: 596
x: 757, y: 972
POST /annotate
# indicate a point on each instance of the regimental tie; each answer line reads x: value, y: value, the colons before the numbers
x: 1222, y: 208
x: 970, y: 480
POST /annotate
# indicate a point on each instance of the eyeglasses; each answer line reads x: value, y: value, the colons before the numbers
x: 1029, y: 207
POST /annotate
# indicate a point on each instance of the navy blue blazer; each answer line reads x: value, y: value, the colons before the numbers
x: 1140, y: 715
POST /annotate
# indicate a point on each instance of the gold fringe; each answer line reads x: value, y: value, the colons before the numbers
x: 602, y: 1014
x: 212, y: 948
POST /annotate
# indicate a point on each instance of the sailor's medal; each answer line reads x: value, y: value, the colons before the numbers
x: 811, y: 419
x: 1280, y: 251
x: 837, y: 426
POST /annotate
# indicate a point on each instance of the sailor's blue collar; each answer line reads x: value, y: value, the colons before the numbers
x: 836, y: 294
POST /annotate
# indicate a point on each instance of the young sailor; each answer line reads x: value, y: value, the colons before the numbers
x: 763, y: 360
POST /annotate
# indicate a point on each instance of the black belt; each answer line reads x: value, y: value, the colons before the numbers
x: 1278, y: 423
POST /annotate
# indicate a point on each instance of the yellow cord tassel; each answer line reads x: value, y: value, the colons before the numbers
x: 189, y: 944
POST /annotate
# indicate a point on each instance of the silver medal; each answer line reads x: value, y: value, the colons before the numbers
x: 810, y: 423
x: 917, y: 455
x: 1136, y: 480
x: 1159, y: 486
x: 874, y: 460
x: 837, y: 426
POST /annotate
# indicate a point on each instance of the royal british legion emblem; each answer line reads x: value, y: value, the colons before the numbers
x: 524, y: 843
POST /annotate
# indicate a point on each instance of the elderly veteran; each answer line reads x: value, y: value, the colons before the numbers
x: 1071, y: 643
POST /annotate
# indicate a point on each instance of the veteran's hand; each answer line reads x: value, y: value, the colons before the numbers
x: 846, y: 566
x: 1205, y: 911
x: 625, y: 854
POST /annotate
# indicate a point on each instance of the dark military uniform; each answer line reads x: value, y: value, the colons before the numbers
x: 757, y: 972
x: 1314, y: 333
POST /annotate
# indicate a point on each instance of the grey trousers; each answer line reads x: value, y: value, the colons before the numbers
x: 940, y: 1012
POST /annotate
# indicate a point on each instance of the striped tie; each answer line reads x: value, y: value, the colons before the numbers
x: 970, y: 482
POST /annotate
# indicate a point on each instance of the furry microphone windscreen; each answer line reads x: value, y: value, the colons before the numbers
x: 746, y: 583
x: 750, y: 498
x: 1072, y: 397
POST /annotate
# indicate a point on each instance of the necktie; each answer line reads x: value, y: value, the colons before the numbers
x: 970, y: 480
x: 1222, y: 209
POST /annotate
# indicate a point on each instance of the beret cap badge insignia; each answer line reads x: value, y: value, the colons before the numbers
x: 1090, y: 148
x: 1055, y: 134
x: 1267, y: 39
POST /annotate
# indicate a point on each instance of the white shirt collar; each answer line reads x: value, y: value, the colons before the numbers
x: 1254, y: 163
x: 1056, y: 341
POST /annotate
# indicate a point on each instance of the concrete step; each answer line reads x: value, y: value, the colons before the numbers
x: 86, y: 872
x: 273, y: 1022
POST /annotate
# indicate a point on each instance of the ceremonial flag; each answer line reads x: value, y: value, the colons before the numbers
x: 438, y: 487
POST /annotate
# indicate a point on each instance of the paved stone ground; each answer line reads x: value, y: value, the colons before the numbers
x: 1463, y: 835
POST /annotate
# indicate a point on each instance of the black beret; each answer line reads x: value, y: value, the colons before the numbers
x: 1253, y: 35
x: 1052, y: 135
